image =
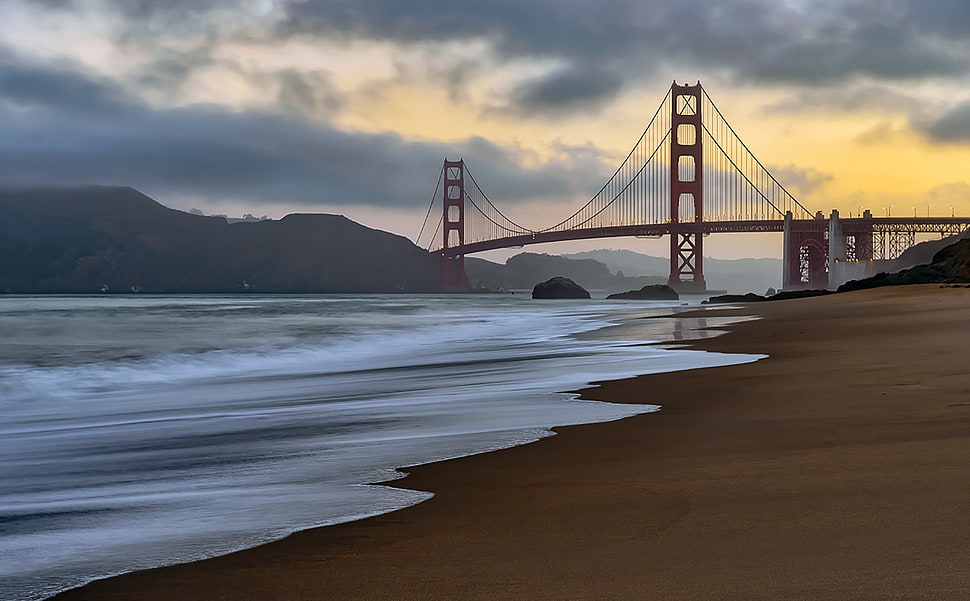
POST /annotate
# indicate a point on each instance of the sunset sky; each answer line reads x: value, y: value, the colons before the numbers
x: 275, y: 106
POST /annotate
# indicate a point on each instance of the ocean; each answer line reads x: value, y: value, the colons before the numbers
x: 140, y: 431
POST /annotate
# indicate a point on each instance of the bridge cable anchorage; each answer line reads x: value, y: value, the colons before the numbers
x: 434, y: 198
x: 748, y: 150
x: 609, y: 181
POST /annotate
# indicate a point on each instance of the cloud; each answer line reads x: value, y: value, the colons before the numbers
x: 762, y: 40
x: 103, y: 136
x: 573, y: 87
x: 952, y: 193
x: 307, y: 93
x: 856, y: 96
x: 802, y: 181
x: 602, y: 47
x: 59, y: 88
x: 883, y: 132
x: 953, y: 126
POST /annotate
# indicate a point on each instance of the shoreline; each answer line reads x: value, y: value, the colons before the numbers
x: 625, y: 320
x: 729, y: 492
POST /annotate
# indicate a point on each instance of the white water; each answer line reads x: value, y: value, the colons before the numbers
x: 141, y: 431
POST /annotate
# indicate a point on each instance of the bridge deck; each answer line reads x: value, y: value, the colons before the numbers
x: 874, y: 224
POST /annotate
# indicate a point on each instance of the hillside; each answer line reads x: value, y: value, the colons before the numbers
x: 93, y: 238
x: 524, y: 270
x: 734, y: 275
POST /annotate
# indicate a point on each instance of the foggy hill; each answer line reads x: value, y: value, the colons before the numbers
x: 525, y: 270
x: 734, y: 275
x: 93, y: 238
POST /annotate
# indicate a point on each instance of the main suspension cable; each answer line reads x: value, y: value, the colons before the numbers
x: 434, y: 196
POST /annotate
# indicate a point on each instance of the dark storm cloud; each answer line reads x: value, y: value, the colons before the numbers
x: 803, y: 43
x: 952, y: 126
x: 574, y: 87
x: 61, y: 126
x: 145, y: 8
x: 807, y: 42
x: 55, y: 89
x: 307, y: 93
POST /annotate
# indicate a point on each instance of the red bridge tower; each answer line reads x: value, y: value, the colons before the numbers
x: 453, y: 276
x: 686, y: 189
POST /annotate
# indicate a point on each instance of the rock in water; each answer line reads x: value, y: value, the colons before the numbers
x: 559, y: 287
x: 654, y: 292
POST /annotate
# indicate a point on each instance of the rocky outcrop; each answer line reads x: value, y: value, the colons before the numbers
x: 654, y: 292
x: 949, y: 266
x: 923, y: 253
x: 559, y: 287
x: 789, y: 294
x: 751, y: 297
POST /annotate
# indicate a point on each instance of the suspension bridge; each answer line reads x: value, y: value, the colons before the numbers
x: 688, y: 176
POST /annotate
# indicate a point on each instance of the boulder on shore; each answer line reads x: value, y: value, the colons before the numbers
x: 559, y: 287
x: 654, y: 292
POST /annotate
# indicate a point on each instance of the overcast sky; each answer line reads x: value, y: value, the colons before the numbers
x: 274, y: 106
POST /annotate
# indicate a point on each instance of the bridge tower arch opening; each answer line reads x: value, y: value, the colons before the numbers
x: 813, y: 264
x: 686, y: 189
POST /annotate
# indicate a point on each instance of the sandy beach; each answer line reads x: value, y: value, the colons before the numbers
x: 838, y: 468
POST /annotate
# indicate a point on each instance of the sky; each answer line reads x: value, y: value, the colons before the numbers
x: 277, y: 106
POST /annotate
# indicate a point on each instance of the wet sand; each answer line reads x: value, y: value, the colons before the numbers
x: 839, y: 468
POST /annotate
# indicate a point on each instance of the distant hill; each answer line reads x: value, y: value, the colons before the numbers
x: 93, y: 238
x: 525, y: 270
x: 734, y: 275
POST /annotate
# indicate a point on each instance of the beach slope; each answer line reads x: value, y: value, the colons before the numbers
x: 838, y: 468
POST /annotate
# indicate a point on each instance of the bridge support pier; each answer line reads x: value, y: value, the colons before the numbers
x: 687, y: 260
x: 805, y: 254
x: 837, y: 258
x: 787, y: 274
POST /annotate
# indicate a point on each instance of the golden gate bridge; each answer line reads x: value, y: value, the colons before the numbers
x: 688, y: 176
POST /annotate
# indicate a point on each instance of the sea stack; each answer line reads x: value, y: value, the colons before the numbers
x: 559, y: 287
